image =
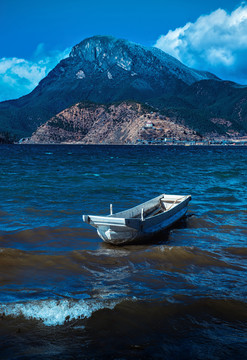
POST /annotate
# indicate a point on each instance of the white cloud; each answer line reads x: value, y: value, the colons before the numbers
x: 20, y: 76
x: 216, y: 42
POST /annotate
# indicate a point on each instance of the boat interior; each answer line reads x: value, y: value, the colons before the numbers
x: 151, y: 208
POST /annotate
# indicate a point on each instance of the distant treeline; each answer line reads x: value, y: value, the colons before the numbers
x: 7, y: 138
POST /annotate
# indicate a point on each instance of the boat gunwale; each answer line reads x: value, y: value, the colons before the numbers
x: 113, y: 220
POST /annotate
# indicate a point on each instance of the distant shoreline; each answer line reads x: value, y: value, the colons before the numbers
x: 237, y: 143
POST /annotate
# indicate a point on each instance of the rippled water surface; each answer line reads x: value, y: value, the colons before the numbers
x: 64, y: 294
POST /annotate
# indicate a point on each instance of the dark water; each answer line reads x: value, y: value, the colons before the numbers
x: 66, y: 295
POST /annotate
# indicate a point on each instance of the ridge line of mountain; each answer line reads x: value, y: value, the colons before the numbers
x: 104, y: 70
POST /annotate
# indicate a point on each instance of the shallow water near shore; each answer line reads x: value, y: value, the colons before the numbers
x: 65, y: 294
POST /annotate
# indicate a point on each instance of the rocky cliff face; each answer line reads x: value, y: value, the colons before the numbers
x: 123, y: 123
x: 122, y: 57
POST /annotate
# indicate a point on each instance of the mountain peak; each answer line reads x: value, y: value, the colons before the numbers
x: 97, y: 41
x: 107, y: 51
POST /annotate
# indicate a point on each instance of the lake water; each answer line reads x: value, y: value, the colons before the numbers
x: 64, y: 294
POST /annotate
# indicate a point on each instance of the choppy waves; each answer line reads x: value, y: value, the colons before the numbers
x: 56, y: 288
x: 55, y: 312
x: 181, y: 296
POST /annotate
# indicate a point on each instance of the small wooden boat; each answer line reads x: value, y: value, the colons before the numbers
x: 139, y: 222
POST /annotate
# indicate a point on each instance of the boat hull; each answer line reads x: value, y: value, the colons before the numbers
x: 117, y: 235
x: 142, y: 221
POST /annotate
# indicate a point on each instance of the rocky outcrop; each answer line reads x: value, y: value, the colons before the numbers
x: 123, y: 123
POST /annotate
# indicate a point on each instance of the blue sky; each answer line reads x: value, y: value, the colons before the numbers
x: 37, y: 34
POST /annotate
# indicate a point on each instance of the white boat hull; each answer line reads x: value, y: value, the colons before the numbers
x: 121, y: 228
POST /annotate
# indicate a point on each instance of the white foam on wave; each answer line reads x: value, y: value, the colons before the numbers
x: 56, y: 312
